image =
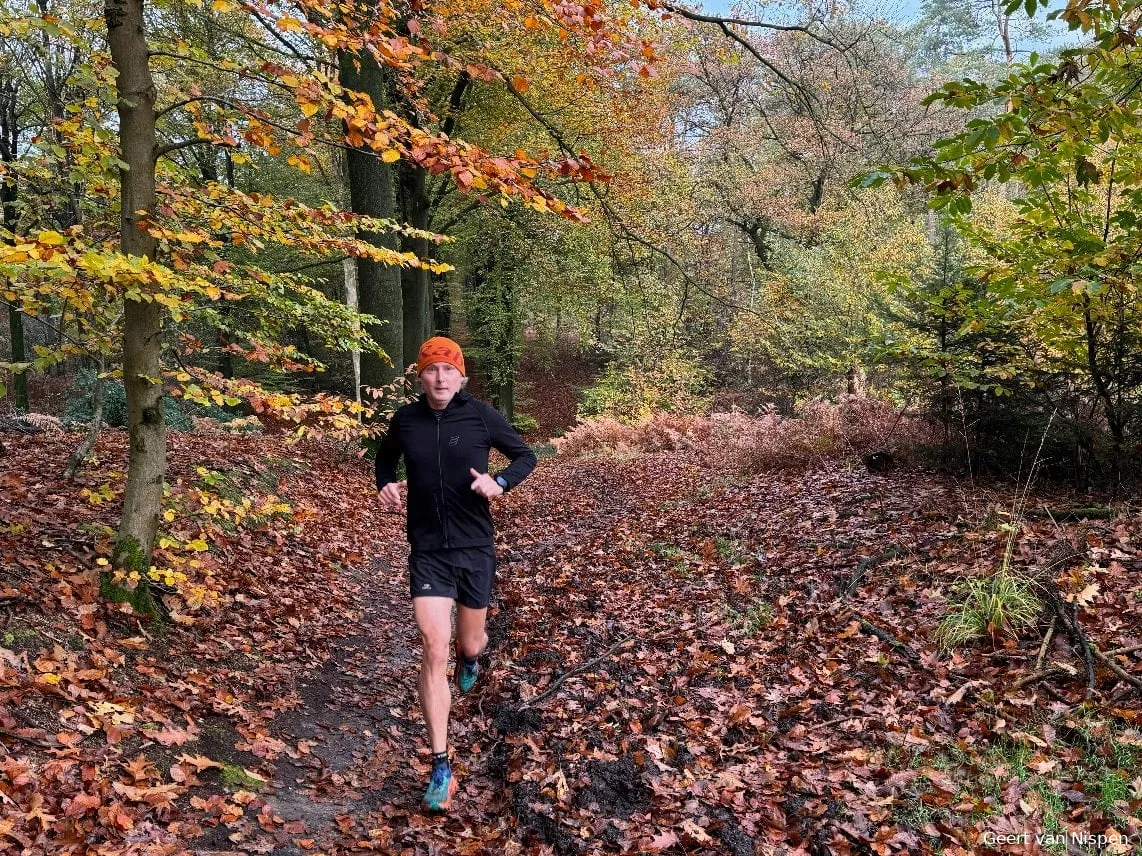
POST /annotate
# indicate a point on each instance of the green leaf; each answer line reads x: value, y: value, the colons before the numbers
x: 875, y: 178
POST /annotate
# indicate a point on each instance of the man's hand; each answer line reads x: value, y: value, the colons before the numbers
x: 390, y: 496
x: 485, y: 485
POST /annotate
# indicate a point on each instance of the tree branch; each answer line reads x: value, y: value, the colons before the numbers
x: 238, y: 72
x: 682, y: 12
x: 161, y: 151
x: 584, y: 667
x: 289, y: 46
x: 613, y: 216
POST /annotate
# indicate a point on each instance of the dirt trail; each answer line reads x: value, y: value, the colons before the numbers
x: 350, y: 740
x: 354, y: 769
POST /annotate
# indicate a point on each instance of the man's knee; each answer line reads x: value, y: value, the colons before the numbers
x: 472, y: 643
x: 435, y: 654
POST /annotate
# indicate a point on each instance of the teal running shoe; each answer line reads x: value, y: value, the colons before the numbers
x: 441, y: 788
x: 468, y: 670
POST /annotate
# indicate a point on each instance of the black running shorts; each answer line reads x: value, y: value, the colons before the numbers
x: 464, y: 574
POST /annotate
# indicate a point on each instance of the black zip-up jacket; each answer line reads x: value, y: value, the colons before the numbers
x: 439, y: 448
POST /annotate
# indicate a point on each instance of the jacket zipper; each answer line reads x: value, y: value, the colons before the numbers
x: 440, y: 473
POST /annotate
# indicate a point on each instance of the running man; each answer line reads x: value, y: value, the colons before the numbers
x: 445, y: 437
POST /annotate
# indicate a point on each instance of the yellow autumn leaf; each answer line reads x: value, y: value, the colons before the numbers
x: 390, y: 155
x: 301, y: 163
x: 50, y: 238
x: 198, y: 545
x: 308, y: 108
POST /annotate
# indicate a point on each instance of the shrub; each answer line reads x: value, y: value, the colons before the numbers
x: 524, y: 424
x: 736, y: 441
x: 854, y: 426
x: 633, y: 393
x: 663, y: 431
x: 1002, y: 603
x: 177, y: 414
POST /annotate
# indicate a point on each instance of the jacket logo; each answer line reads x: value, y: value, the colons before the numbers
x: 452, y: 441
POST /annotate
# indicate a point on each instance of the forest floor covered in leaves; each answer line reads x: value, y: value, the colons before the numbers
x: 682, y: 660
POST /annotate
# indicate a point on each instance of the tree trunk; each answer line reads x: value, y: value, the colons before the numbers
x: 349, y: 267
x: 54, y: 78
x: 81, y: 453
x: 19, y: 355
x: 416, y: 283
x: 371, y: 193
x: 9, y: 193
x: 441, y: 305
x: 856, y: 380
x: 507, y: 399
x: 142, y: 320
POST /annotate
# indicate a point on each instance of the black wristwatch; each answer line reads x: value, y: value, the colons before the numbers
x: 502, y: 482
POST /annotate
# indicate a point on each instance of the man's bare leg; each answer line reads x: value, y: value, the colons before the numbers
x: 471, y: 637
x: 434, y: 620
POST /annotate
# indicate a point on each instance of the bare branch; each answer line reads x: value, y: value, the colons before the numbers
x: 161, y: 151
x: 269, y: 28
x: 615, y: 218
x: 721, y: 21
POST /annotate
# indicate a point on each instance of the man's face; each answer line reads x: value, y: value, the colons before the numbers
x: 440, y: 381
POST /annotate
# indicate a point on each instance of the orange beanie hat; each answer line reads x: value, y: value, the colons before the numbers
x: 440, y: 349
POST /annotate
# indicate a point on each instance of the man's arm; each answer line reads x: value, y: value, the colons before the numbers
x: 507, y: 440
x: 388, y: 454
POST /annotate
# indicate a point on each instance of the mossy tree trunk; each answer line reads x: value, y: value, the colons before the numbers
x: 142, y: 320
x: 372, y: 193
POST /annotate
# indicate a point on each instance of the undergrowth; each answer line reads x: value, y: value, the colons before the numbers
x: 853, y: 427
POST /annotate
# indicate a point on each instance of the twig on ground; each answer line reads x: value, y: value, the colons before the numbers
x: 1039, y: 675
x: 836, y: 721
x: 884, y: 636
x: 34, y: 741
x: 868, y: 563
x: 1066, y: 515
x: 1130, y: 649
x: 1058, y: 696
x: 1046, y: 642
x: 581, y: 668
x: 1074, y: 631
x: 1133, y: 680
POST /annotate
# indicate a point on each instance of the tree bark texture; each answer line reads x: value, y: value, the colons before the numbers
x: 142, y: 320
x: 349, y: 267
x: 9, y: 194
x: 416, y: 283
x: 372, y: 193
